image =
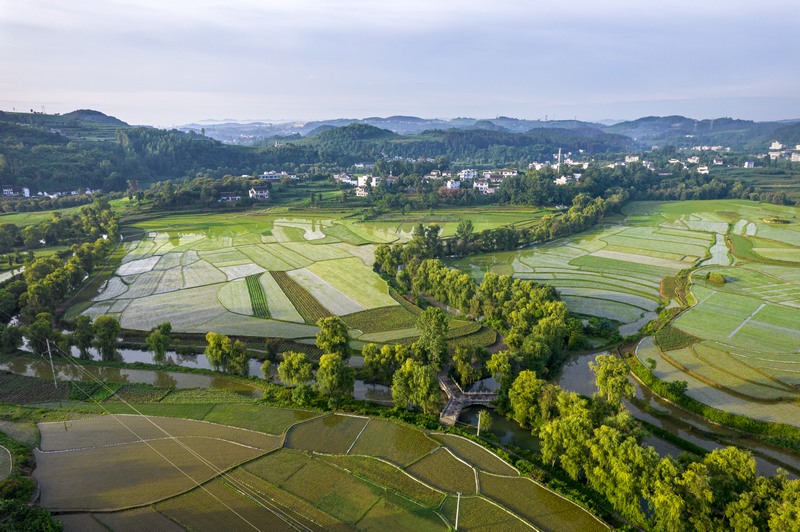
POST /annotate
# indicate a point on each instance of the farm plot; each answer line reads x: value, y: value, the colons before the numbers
x: 351, y: 277
x: 328, y: 296
x: 346, y: 235
x: 699, y: 390
x: 235, y: 297
x: 138, y: 519
x: 443, y: 471
x: 293, y: 259
x: 258, y: 299
x: 539, y: 506
x: 477, y: 513
x: 476, y: 455
x: 171, y: 280
x: 144, y: 472
x: 193, y: 308
x: 393, y: 442
x: 333, y: 434
x: 25, y: 390
x: 278, y: 305
x: 604, y: 308
x: 306, y: 305
x: 241, y: 270
x: 201, y: 273
x: 714, y: 375
x: 168, y: 261
x: 261, y: 256
x: 388, y: 476
x: 217, y: 506
x: 315, y: 252
x: 261, y: 418
x: 144, y: 285
x: 114, y: 287
x: 138, y: 266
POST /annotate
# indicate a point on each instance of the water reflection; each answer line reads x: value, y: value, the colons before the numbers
x: 42, y: 370
x: 377, y: 393
x: 576, y: 376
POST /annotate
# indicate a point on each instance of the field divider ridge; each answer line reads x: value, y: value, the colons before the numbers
x: 358, y: 436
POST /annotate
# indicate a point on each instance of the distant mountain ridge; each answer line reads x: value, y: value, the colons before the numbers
x: 646, y: 132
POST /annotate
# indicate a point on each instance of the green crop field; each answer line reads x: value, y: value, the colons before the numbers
x: 393, y: 442
x: 473, y: 453
x: 333, y: 434
x: 442, y: 470
x: 169, y: 473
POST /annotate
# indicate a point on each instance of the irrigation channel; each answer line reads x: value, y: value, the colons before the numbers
x: 578, y: 377
x: 40, y: 368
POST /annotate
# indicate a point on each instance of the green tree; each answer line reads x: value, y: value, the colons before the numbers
x: 159, y: 340
x: 612, y: 379
x: 334, y: 378
x: 524, y: 398
x: 295, y: 369
x: 226, y: 356
x: 484, y: 421
x: 106, y: 330
x: 415, y: 386
x: 333, y: 336
x: 83, y: 335
x: 564, y: 439
x: 433, y: 325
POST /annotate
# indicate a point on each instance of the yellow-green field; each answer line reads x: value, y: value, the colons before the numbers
x: 332, y: 473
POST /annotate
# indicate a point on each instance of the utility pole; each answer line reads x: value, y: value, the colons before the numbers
x: 458, y: 507
x: 52, y: 367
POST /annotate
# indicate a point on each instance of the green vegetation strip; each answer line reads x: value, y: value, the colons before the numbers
x: 309, y: 308
x: 25, y: 390
x: 258, y: 299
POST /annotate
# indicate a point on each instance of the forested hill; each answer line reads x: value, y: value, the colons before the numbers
x: 680, y: 131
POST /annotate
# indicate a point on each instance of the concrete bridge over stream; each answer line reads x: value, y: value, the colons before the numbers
x: 457, y: 399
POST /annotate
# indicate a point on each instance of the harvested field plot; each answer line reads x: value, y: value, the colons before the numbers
x: 333, y: 434
x: 138, y: 266
x: 539, y: 506
x: 306, y: 305
x: 241, y: 270
x: 445, y: 472
x: 393, y: 442
x: 398, y: 514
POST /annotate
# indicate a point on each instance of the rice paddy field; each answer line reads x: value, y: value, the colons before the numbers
x: 266, y: 274
x: 334, y: 472
x: 746, y: 358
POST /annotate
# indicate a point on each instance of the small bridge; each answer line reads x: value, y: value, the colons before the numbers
x: 457, y: 399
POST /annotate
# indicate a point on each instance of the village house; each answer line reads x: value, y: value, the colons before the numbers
x: 368, y: 179
x: 229, y: 197
x: 467, y: 173
x: 453, y: 184
x: 361, y: 192
x: 259, y: 193
x: 16, y: 192
x: 346, y: 179
x: 702, y: 169
x: 483, y: 186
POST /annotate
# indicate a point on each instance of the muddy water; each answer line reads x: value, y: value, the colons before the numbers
x: 578, y: 377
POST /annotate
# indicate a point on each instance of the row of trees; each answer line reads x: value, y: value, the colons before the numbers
x: 597, y: 442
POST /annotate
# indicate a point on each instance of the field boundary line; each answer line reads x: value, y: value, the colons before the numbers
x: 747, y: 319
x: 184, y: 419
x: 144, y: 440
x: 476, y: 444
x: 357, y: 437
x: 506, y: 510
x: 401, y: 469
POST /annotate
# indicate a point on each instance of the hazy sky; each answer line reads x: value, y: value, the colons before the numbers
x: 170, y: 62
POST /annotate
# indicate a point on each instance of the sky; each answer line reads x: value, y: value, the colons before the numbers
x: 172, y: 62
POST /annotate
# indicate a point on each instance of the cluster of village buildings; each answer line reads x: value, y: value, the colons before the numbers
x: 485, y: 182
x: 13, y: 191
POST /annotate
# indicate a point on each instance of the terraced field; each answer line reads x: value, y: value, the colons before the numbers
x: 332, y: 473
